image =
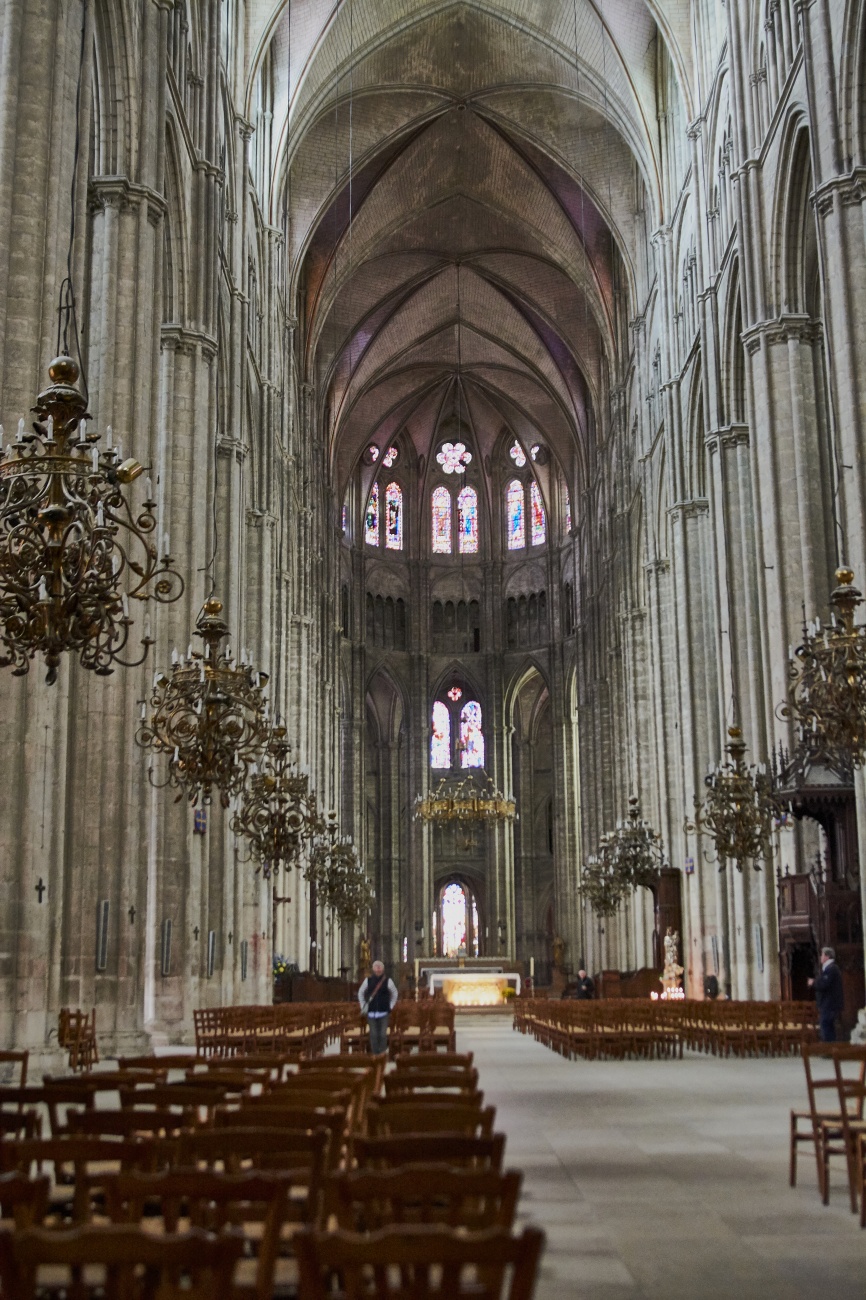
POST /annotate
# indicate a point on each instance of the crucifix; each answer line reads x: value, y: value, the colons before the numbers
x: 196, y: 932
x: 231, y: 936
x: 40, y: 889
x: 131, y: 915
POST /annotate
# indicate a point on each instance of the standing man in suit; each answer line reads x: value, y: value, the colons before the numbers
x: 377, y: 996
x: 585, y: 987
x: 830, y: 994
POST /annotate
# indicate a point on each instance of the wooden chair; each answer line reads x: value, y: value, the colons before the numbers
x: 366, y: 1200
x: 80, y: 1165
x: 851, y: 1094
x: 430, y: 1117
x: 131, y: 1123
x: 156, y: 1065
x: 258, y: 1203
x: 452, y: 1082
x: 436, y: 1060
x: 287, y: 1118
x: 190, y: 1098
x: 13, y: 1059
x: 238, y: 1150
x: 23, y: 1200
x: 117, y: 1262
x: 452, y: 1149
x: 20, y: 1124
x: 425, y: 1261
x: 821, y: 1124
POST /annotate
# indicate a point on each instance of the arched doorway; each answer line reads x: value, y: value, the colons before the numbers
x: 456, y: 920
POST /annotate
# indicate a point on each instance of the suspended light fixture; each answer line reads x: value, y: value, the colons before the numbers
x: 73, y: 550
x: 741, y: 810
x: 208, y: 714
x: 278, y: 813
x: 468, y: 798
x: 827, y: 679
x: 340, y: 882
x: 634, y: 850
x: 601, y: 885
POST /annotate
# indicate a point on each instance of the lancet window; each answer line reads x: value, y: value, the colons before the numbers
x: 371, y: 518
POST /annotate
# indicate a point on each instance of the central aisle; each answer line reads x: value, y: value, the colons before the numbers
x: 665, y: 1180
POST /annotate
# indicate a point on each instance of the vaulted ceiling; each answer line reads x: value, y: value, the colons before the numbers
x: 465, y: 186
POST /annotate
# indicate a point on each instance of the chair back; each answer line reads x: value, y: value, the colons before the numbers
x: 430, y: 1117
x: 366, y: 1200
x: 23, y: 1200
x: 134, y: 1263
x: 419, y: 1262
x: 452, y: 1149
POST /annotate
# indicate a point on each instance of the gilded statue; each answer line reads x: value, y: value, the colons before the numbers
x: 365, y: 957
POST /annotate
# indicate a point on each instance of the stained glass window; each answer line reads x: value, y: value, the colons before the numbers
x: 517, y: 454
x: 371, y: 519
x: 454, y: 457
x: 454, y: 920
x: 345, y: 518
x: 567, y: 511
x: 533, y: 451
x: 516, y: 516
x: 467, y: 520
x: 440, y: 741
x: 394, y: 517
x: 441, y: 512
x: 371, y: 455
x: 389, y: 457
x: 539, y: 530
x: 455, y: 694
x: 471, y: 735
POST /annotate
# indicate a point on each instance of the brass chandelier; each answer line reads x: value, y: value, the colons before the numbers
x: 634, y: 850
x: 339, y: 880
x: 209, y: 715
x: 465, y: 800
x: 827, y: 679
x: 278, y: 813
x: 741, y: 810
x: 73, y: 550
x: 601, y: 885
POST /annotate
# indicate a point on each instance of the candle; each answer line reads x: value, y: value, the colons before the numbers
x: 417, y: 968
x: 148, y: 489
x: 532, y: 968
x: 108, y: 437
x: 94, y: 459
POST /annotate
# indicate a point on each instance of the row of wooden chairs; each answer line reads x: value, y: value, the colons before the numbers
x: 637, y: 1028
x: 76, y: 1034
x: 313, y: 1159
x: 304, y: 1027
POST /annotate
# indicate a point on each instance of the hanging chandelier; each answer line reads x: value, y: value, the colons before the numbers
x: 634, y: 850
x: 73, y: 551
x: 278, y: 813
x: 827, y: 679
x: 209, y: 715
x: 340, y: 882
x: 601, y: 885
x: 469, y: 798
x: 741, y: 810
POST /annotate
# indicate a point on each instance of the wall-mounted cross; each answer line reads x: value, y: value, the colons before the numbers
x: 131, y: 915
x: 231, y: 936
x: 40, y: 889
x: 196, y: 932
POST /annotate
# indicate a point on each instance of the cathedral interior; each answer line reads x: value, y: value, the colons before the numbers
x: 488, y: 373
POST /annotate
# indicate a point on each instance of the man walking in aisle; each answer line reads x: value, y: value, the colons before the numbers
x: 377, y: 996
x: 830, y: 994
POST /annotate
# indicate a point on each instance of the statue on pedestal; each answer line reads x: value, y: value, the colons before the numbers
x: 365, y: 957
x: 559, y: 979
x: 670, y: 977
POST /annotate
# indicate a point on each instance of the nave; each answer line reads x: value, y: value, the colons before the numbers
x: 665, y: 1180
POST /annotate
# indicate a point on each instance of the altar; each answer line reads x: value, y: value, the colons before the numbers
x: 463, y: 986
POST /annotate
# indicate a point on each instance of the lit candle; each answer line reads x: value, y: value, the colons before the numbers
x: 532, y: 968
x: 417, y: 969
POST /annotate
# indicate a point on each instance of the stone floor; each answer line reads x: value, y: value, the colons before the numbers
x: 665, y: 1180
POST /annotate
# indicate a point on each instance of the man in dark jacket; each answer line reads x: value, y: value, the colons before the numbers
x: 377, y: 996
x: 830, y: 994
x: 585, y: 988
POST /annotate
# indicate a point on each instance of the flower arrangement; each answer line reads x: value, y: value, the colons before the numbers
x: 281, y: 965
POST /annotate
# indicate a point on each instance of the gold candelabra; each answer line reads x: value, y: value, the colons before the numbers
x: 73, y: 551
x: 741, y: 810
x: 209, y: 715
x: 278, y: 814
